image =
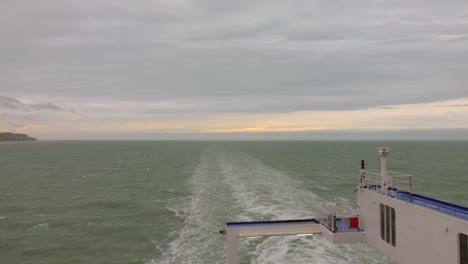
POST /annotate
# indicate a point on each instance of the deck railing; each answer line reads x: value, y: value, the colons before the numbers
x: 434, y: 204
x: 395, y: 181
x: 338, y: 217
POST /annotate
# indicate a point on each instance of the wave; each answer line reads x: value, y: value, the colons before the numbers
x: 235, y: 186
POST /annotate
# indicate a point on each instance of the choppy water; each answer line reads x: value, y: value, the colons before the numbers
x: 164, y: 202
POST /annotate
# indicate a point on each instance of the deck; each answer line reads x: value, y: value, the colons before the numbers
x: 434, y: 204
x: 426, y: 202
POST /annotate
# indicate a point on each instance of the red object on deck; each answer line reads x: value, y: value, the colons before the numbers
x: 354, y: 222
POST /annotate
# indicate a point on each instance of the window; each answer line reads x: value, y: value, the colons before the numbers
x: 387, y: 224
x: 463, y: 242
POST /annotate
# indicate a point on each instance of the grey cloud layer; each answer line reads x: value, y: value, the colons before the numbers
x: 15, y: 104
x: 237, y: 56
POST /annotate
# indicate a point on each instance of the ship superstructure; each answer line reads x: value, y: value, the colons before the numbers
x: 388, y: 215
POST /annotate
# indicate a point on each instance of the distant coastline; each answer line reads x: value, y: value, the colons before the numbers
x: 14, y: 137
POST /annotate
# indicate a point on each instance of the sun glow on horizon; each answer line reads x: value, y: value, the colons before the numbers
x: 127, y: 118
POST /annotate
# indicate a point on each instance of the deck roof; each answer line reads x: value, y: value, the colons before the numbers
x: 447, y: 208
x: 434, y: 204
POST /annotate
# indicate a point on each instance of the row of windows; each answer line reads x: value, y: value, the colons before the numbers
x: 388, y: 232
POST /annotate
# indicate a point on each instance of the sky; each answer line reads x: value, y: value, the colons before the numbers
x: 244, y: 69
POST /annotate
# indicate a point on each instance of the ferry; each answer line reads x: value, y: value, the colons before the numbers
x: 406, y: 227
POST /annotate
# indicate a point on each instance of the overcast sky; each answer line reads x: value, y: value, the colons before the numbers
x: 234, y: 69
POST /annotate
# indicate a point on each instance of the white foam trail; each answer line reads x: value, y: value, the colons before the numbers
x: 43, y: 226
x: 316, y: 249
x: 204, y: 213
x: 175, y: 211
x: 322, y: 188
x: 234, y: 186
x: 263, y: 192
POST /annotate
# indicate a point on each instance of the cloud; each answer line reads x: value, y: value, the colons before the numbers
x: 259, y: 129
x: 454, y: 105
x: 15, y: 104
x: 15, y: 125
x: 385, y: 107
x: 173, y: 59
x: 10, y: 103
x: 47, y: 106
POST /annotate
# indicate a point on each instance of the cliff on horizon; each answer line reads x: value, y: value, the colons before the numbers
x: 12, y: 137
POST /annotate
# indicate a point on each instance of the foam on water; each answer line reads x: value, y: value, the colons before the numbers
x: 316, y: 249
x: 322, y: 188
x: 262, y: 192
x: 235, y: 186
x: 199, y: 241
x: 42, y: 226
x: 265, y: 193
x: 175, y: 211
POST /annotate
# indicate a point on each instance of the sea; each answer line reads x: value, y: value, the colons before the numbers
x: 152, y: 202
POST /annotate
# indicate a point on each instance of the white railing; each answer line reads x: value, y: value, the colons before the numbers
x: 337, y: 216
x: 395, y: 181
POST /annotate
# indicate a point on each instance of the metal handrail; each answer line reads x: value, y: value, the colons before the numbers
x: 328, y: 214
x: 395, y: 180
x: 438, y: 207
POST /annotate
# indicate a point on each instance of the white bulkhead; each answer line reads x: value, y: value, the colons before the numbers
x: 411, y: 228
x: 422, y: 235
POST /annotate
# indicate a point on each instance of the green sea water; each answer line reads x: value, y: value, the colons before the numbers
x: 165, y: 201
